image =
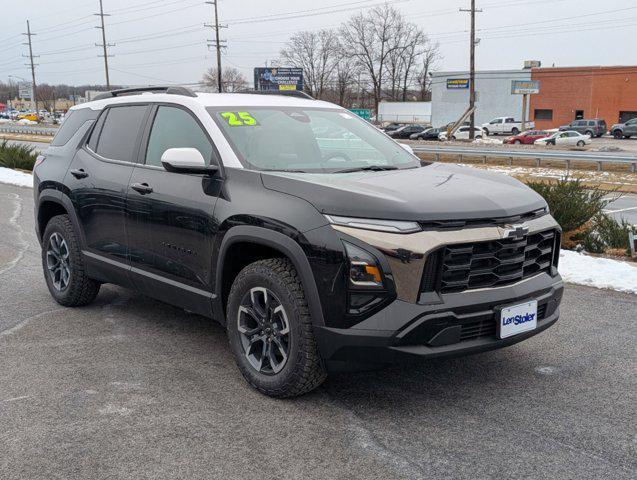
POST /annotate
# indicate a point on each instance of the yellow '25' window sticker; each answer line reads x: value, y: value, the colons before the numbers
x: 239, y: 119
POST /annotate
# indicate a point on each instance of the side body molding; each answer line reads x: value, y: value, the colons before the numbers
x: 277, y: 241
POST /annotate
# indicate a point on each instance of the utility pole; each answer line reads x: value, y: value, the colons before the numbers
x: 472, y: 66
x: 217, y: 43
x: 104, y: 45
x: 34, y: 88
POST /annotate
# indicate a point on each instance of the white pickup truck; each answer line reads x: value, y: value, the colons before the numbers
x: 505, y: 125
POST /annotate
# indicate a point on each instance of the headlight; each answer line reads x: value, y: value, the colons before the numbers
x: 392, y: 226
x: 364, y: 271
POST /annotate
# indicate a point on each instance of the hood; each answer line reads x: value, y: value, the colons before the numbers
x: 433, y: 192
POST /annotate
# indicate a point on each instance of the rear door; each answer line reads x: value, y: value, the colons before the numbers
x: 170, y: 218
x: 631, y: 127
x: 98, y: 181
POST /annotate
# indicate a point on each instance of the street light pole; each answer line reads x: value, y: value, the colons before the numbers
x: 472, y: 67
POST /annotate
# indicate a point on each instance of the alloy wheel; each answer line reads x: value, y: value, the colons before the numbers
x: 58, y: 261
x: 264, y: 331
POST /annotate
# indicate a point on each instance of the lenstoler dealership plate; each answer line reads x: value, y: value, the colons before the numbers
x: 518, y: 319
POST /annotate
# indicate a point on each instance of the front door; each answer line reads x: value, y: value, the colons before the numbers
x: 170, y: 215
x: 98, y: 180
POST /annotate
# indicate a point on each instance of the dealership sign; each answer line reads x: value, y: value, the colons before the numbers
x: 282, y: 79
x: 457, y: 83
x: 525, y: 87
x: 25, y: 90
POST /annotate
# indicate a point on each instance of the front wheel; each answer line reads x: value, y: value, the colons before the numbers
x: 515, y: 131
x: 581, y: 143
x: 270, y: 330
x: 486, y: 132
x: 64, y: 269
x: 617, y: 134
x: 517, y: 142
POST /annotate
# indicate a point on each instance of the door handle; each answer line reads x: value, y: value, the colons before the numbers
x: 79, y: 173
x: 142, y: 188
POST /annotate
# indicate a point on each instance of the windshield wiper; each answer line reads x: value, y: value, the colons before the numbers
x: 369, y: 168
x: 286, y: 170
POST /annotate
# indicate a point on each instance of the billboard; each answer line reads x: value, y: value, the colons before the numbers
x: 457, y: 83
x: 25, y: 91
x: 525, y: 87
x: 279, y: 78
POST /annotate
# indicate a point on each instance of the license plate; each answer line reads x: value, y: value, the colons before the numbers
x: 517, y: 319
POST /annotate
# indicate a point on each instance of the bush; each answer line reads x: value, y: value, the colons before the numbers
x: 608, y: 235
x: 17, y: 156
x: 574, y: 206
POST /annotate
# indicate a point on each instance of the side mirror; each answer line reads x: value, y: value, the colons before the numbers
x: 407, y: 148
x: 186, y: 160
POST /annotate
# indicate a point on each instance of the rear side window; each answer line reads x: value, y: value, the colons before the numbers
x: 591, y: 123
x: 121, y: 130
x: 175, y: 128
x: 71, y: 124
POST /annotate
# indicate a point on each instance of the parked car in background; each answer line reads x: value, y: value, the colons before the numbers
x: 624, y: 130
x: 526, y: 138
x: 463, y: 134
x: 391, y: 127
x: 427, y: 134
x: 32, y: 117
x: 505, y: 125
x: 406, y: 131
x: 571, y: 138
x: 594, y: 127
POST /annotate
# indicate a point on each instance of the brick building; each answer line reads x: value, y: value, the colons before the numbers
x: 572, y: 93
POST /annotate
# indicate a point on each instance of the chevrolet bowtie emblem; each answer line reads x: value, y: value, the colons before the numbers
x: 515, y: 231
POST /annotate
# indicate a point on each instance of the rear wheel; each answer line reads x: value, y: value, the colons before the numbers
x: 515, y: 131
x: 590, y: 134
x: 517, y: 142
x: 486, y: 132
x: 63, y: 265
x: 270, y: 330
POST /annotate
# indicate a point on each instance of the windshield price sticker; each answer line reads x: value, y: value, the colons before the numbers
x: 239, y: 119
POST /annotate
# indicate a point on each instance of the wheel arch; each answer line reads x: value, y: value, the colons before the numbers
x: 52, y: 203
x: 256, y: 243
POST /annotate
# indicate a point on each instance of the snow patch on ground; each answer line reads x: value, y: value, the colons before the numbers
x: 15, y: 177
x: 598, y: 272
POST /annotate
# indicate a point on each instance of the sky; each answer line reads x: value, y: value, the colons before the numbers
x: 164, y: 41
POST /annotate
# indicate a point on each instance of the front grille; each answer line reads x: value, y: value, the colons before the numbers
x: 485, y: 326
x: 495, y: 263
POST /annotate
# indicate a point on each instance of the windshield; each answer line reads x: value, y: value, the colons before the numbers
x: 307, y: 140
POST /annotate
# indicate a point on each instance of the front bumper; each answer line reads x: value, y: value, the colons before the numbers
x: 462, y: 324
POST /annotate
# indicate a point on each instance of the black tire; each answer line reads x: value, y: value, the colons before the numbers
x: 581, y: 143
x: 590, y: 133
x: 486, y: 132
x: 517, y: 142
x: 453, y: 137
x: 617, y: 134
x: 303, y: 369
x: 478, y: 137
x: 79, y: 289
x: 515, y: 131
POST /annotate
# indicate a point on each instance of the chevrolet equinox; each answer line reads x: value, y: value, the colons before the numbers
x: 316, y: 240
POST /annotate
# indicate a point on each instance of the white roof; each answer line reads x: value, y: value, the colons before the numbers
x: 211, y: 100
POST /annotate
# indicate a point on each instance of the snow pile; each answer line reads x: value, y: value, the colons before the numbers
x: 26, y: 121
x: 15, y: 177
x: 598, y: 272
x: 487, y: 141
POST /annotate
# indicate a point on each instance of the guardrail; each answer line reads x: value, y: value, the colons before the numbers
x: 29, y: 130
x: 567, y: 157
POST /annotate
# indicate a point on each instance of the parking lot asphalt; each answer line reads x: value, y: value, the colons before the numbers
x: 129, y: 387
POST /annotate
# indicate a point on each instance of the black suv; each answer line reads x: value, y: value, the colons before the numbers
x: 316, y: 253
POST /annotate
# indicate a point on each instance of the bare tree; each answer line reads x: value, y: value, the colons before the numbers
x: 371, y: 39
x: 316, y: 54
x: 429, y: 58
x: 47, y: 96
x: 232, y: 80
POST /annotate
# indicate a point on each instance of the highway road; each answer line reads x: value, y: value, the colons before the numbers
x: 129, y: 387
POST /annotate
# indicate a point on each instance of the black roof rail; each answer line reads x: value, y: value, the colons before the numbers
x: 137, y: 90
x: 285, y: 93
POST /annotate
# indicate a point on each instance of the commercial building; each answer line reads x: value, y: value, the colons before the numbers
x: 450, y: 95
x: 573, y: 93
x: 404, y: 112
